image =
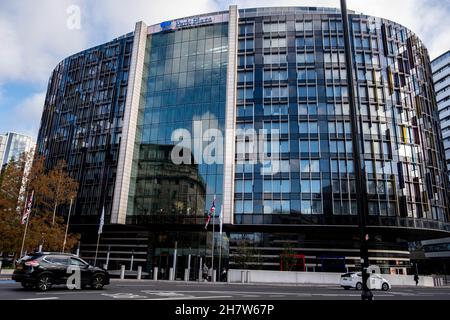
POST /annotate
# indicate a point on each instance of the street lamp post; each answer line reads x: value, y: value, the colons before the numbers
x: 361, y: 189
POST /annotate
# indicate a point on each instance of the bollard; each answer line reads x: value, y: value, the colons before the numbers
x: 171, y: 276
x: 155, y: 273
x: 139, y: 273
x: 200, y: 275
x: 122, y: 272
x: 214, y: 273
x: 186, y: 274
x: 1, y: 262
x: 243, y: 276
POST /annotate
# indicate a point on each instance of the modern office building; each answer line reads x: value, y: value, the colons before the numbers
x: 13, y: 145
x: 441, y: 76
x: 124, y: 113
x: 3, y: 139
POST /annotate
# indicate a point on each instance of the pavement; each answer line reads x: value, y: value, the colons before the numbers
x: 179, y: 290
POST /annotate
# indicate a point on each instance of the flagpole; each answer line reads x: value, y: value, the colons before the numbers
x: 220, y: 242
x: 100, y: 231
x: 96, y: 249
x: 212, y: 249
x: 67, y: 226
x: 24, y: 235
x: 28, y: 212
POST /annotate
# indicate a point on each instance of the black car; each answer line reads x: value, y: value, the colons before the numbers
x: 42, y: 270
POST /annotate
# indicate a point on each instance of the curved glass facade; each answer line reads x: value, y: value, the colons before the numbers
x: 292, y: 76
x: 273, y: 70
x: 83, y: 118
x: 184, y: 89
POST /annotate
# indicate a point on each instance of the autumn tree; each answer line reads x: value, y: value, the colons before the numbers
x: 38, y: 180
x: 62, y: 186
x: 51, y: 188
x: 11, y: 179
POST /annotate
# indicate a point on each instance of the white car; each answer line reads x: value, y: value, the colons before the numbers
x: 354, y: 280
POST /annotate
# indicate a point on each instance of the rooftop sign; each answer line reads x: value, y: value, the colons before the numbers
x: 197, y: 21
x: 183, y: 23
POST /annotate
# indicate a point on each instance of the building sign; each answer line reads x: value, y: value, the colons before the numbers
x: 185, y: 23
x: 193, y: 22
x: 166, y: 25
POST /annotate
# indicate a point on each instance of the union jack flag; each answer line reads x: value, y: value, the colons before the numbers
x: 27, y: 211
x: 211, y: 213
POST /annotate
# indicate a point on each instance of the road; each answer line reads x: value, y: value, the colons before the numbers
x: 165, y: 290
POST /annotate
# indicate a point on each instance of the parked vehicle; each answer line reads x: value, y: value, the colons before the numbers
x: 354, y: 280
x: 42, y: 270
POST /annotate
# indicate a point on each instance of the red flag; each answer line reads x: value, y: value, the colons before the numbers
x: 212, y: 210
x: 27, y: 210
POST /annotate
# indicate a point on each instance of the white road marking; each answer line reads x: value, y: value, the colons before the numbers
x: 47, y: 298
x: 70, y: 292
x: 190, y: 298
x: 233, y: 292
x: 136, y: 285
x: 164, y: 294
x: 123, y: 296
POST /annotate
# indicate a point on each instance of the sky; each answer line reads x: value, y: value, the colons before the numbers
x: 36, y: 35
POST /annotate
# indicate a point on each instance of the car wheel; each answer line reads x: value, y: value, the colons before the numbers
x: 385, y: 287
x: 359, y: 286
x: 44, y: 282
x: 27, y: 285
x: 98, y: 281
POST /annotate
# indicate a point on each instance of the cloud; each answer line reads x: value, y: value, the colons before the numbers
x: 34, y: 38
x: 24, y: 117
x: 31, y: 107
x: 120, y: 17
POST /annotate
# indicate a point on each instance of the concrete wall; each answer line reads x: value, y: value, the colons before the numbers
x: 260, y: 276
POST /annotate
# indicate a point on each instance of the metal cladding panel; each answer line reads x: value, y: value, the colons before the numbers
x: 124, y: 166
x: 230, y: 118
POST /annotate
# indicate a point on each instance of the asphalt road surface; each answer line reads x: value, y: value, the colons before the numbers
x: 165, y: 290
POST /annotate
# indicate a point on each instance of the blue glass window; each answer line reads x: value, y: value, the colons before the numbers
x: 306, y: 207
x: 316, y: 186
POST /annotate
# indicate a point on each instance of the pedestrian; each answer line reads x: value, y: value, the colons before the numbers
x: 416, y: 279
x: 223, y: 276
x: 205, y: 272
x: 210, y: 274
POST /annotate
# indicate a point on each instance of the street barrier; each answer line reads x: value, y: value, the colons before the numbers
x: 122, y: 272
x: 285, y: 277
